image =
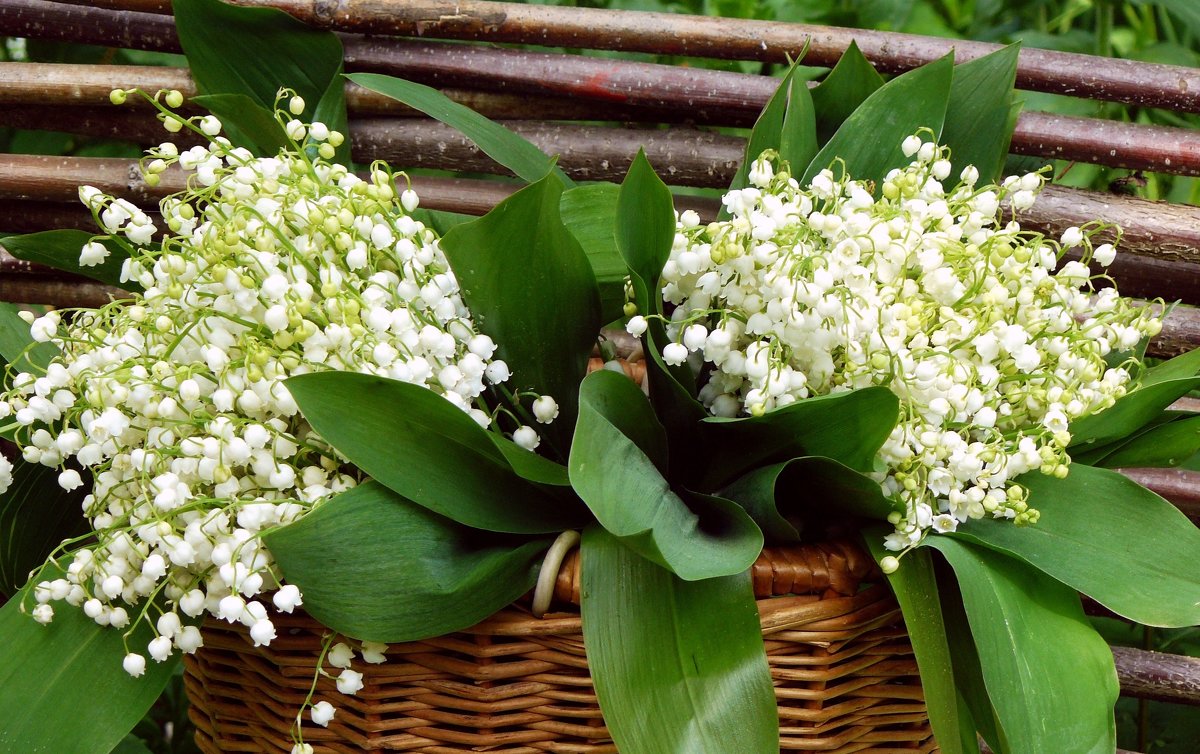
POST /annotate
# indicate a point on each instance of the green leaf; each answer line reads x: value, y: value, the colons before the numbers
x: 645, y: 230
x: 1048, y: 673
x: 781, y: 496
x: 63, y: 684
x: 17, y: 346
x: 846, y: 87
x: 692, y: 676
x: 914, y: 100
x: 252, y: 52
x: 60, y: 249
x: 418, y: 444
x: 698, y: 537
x: 847, y: 427
x: 1110, y: 538
x: 1130, y: 413
x: 377, y: 567
x: 246, y: 123
x: 36, y: 514
x: 916, y: 590
x: 1167, y: 444
x: 131, y: 744
x: 505, y: 147
x: 530, y: 287
x: 766, y: 134
x: 590, y: 212
x: 968, y: 673
x: 529, y: 465
x: 798, y: 139
x: 981, y: 97
x: 1181, y: 367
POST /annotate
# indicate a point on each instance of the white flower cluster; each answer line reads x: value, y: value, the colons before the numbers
x: 991, y: 343
x: 173, y: 402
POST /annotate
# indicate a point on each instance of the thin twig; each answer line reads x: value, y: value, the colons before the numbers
x: 671, y: 93
x: 1127, y: 81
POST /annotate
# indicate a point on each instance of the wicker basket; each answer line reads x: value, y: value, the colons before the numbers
x: 844, y: 674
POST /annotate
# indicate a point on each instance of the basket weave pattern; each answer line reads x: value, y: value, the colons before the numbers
x: 845, y: 678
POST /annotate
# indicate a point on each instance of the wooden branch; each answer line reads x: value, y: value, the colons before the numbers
x: 1131, y: 82
x: 1158, y: 676
x: 672, y: 93
x: 1179, y: 487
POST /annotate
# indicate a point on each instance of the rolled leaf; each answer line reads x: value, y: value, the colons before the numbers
x: 780, y: 496
x: 1108, y: 537
x: 848, y: 427
x: 589, y: 212
x: 914, y: 100
x: 63, y: 686
x: 798, y: 140
x: 767, y: 132
x: 678, y: 666
x: 916, y: 589
x: 698, y: 538
x: 976, y: 127
x: 1048, y: 673
x: 505, y: 147
x: 418, y: 444
x: 530, y: 287
x: 846, y: 87
x: 377, y: 567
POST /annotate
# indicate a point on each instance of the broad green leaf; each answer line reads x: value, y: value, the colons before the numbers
x: 590, y: 212
x: 846, y: 87
x: 766, y: 134
x: 60, y: 249
x: 981, y: 97
x: 1168, y: 444
x: 847, y: 427
x: 781, y: 496
x: 798, y: 139
x: 418, y: 444
x: 1110, y: 538
x: 381, y: 568
x: 916, y: 590
x: 17, y: 346
x: 914, y: 100
x: 36, y: 514
x: 505, y: 147
x: 1181, y: 367
x: 530, y: 287
x: 695, y: 536
x: 693, y: 675
x: 1048, y: 673
x: 246, y: 123
x: 1130, y: 413
x: 252, y: 52
x: 62, y: 685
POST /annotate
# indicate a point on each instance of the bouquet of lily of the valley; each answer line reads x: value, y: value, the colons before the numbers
x: 319, y: 394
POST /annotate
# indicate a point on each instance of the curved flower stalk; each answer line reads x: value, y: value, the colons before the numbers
x: 174, y: 401
x: 992, y: 342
